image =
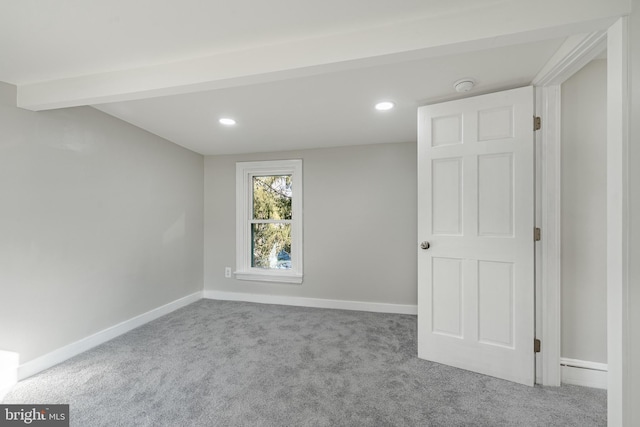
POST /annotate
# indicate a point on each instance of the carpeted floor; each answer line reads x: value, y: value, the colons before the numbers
x: 217, y: 363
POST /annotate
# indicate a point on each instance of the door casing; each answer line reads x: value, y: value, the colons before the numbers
x: 571, y: 57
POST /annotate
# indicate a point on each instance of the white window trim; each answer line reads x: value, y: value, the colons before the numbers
x: 245, y: 171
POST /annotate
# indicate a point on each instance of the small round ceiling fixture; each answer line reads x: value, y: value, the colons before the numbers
x: 227, y: 121
x: 464, y: 85
x: 385, y: 105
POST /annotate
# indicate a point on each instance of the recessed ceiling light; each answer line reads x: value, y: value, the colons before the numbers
x: 227, y: 121
x: 385, y: 105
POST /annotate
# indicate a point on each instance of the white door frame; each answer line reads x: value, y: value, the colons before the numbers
x: 619, y: 400
x: 576, y: 52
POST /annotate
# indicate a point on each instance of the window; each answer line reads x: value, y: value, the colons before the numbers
x: 269, y: 221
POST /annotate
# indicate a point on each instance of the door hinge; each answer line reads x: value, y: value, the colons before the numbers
x: 537, y: 123
x: 536, y: 345
x: 537, y: 234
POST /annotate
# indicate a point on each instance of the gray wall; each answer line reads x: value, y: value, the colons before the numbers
x: 632, y: 371
x: 359, y: 224
x: 584, y: 226
x: 100, y: 221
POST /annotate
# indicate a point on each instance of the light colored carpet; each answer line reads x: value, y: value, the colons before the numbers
x: 217, y: 363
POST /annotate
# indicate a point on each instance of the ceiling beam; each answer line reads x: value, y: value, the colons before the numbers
x: 486, y: 26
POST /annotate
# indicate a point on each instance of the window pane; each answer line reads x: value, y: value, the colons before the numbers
x: 272, y: 197
x: 271, y: 246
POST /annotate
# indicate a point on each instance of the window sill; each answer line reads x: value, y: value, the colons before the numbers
x: 293, y: 278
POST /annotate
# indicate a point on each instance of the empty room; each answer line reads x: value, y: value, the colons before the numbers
x: 355, y: 213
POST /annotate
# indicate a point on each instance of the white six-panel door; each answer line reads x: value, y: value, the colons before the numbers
x: 475, y: 211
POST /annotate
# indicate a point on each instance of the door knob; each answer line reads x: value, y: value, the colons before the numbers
x: 425, y: 245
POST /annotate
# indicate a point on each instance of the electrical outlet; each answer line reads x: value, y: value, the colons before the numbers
x: 227, y: 272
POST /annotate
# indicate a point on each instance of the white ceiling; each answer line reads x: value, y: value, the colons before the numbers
x: 44, y: 40
x: 331, y: 109
x: 295, y: 74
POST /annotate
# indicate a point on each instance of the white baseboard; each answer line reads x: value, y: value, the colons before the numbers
x: 313, y: 302
x: 8, y: 371
x: 583, y: 373
x: 60, y: 355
